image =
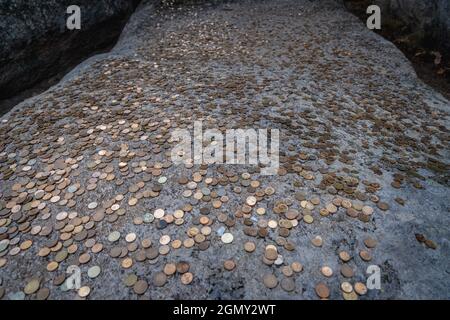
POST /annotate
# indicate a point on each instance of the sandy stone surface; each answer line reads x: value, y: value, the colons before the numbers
x: 363, y: 151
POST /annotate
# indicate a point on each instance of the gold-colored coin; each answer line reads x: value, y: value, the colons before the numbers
x: 360, y: 288
x: 346, y: 287
x: 52, y: 266
x: 297, y: 266
x: 84, y: 291
x: 127, y: 263
x: 170, y: 269
x: 187, y: 278
x: 326, y: 271
x: 249, y: 246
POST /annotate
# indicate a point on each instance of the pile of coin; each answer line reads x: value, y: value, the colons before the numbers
x: 87, y: 181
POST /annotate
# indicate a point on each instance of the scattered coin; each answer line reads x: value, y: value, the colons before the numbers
x: 322, y: 290
x: 84, y: 291
x: 94, y: 271
x: 229, y: 265
x: 227, y: 238
x: 187, y: 278
x: 270, y: 281
x: 140, y: 287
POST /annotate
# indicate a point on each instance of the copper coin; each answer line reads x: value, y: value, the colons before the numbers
x: 170, y: 269
x: 187, y: 278
x: 326, y: 271
x: 322, y: 290
x: 346, y: 287
x: 344, y: 256
x: 249, y: 246
x: 127, y: 263
x: 317, y: 241
x: 84, y: 291
x: 297, y: 266
x: 229, y: 265
x: 370, y: 242
x: 182, y: 267
x: 84, y: 258
x: 360, y: 288
x: 365, y: 255
x: 347, y: 271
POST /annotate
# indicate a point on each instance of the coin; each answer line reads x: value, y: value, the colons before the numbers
x: 170, y: 269
x: 140, y: 287
x: 229, y: 265
x: 271, y: 253
x: 249, y: 246
x: 365, y: 255
x: 360, y: 288
x: 317, y: 241
x: 347, y: 271
x: 370, y: 242
x: 114, y: 236
x: 182, y: 267
x: 32, y: 286
x: 94, y: 271
x: 270, y: 281
x: 159, y: 279
x: 43, y: 294
x: 187, y: 278
x: 130, y: 280
x: 130, y: 237
x: 308, y: 219
x: 326, y: 271
x: 165, y: 239
x: 159, y: 213
x: 287, y: 271
x: 251, y: 201
x: 52, y: 266
x: 84, y: 291
x: 346, y: 287
x: 146, y: 243
x: 288, y: 284
x: 297, y: 266
x: 227, y: 238
x: 127, y: 263
x: 322, y: 290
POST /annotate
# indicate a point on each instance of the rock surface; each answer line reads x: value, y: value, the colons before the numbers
x: 37, y: 45
x: 356, y: 124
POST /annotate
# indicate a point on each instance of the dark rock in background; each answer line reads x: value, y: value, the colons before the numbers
x: 421, y: 30
x: 36, y: 44
x: 423, y: 22
x: 428, y: 21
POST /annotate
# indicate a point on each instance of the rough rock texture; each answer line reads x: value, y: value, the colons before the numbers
x: 35, y: 43
x: 356, y: 124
